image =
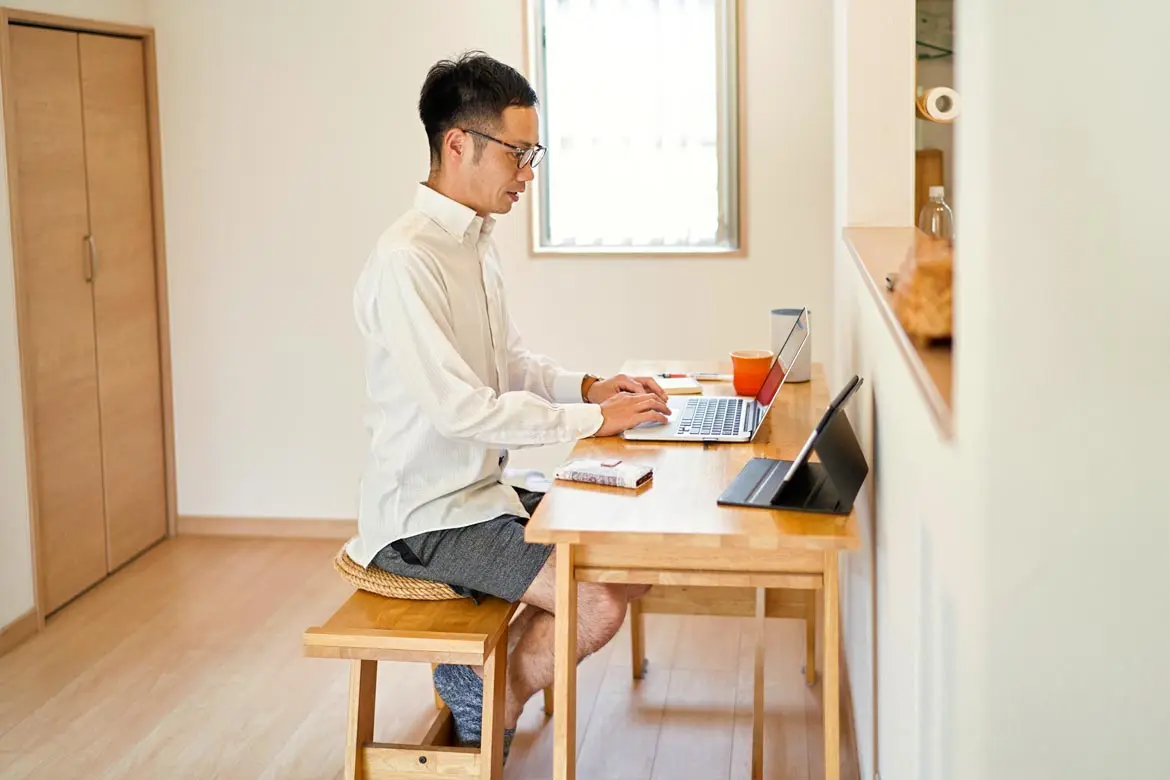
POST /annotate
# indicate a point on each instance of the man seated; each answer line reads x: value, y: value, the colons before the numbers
x: 451, y: 389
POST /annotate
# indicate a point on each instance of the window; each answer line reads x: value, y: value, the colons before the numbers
x: 639, y: 112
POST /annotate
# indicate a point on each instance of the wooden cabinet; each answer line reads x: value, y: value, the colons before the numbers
x: 83, y: 222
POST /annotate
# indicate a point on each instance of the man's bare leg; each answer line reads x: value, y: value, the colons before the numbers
x: 516, y: 629
x: 601, y: 609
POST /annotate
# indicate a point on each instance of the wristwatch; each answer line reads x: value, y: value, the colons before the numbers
x: 586, y: 385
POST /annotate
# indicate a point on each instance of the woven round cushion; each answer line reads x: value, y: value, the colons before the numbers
x: 393, y: 586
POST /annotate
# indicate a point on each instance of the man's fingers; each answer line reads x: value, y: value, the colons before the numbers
x: 652, y: 387
x: 651, y: 402
x: 630, y: 384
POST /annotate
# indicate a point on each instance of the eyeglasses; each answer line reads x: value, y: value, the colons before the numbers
x: 524, y: 154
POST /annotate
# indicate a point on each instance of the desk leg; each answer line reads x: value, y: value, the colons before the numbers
x: 637, y: 640
x: 565, y: 687
x: 831, y: 697
x: 810, y: 638
x: 758, y: 691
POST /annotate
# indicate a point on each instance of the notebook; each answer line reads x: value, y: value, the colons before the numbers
x: 680, y: 385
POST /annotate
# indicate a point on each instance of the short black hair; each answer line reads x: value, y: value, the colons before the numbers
x: 472, y: 91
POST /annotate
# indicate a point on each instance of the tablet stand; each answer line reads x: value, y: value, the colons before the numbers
x: 828, y: 487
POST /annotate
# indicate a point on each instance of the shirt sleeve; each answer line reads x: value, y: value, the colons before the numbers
x: 415, y: 327
x: 539, y: 374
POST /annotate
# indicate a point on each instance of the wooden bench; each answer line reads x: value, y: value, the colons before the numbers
x: 369, y: 628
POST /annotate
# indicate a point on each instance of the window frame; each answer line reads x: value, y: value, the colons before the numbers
x: 730, y: 141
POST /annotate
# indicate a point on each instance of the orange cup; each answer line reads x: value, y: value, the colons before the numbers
x: 749, y: 369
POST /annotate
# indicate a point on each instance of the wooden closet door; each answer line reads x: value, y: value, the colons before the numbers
x: 117, y: 152
x: 59, y: 314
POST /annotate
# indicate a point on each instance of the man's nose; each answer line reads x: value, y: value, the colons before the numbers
x: 526, y: 174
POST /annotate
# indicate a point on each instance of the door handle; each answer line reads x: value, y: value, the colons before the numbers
x: 91, y: 258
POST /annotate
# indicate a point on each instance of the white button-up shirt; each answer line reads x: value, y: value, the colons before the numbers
x: 449, y: 386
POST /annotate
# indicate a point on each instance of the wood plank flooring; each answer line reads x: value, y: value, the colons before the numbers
x: 187, y: 664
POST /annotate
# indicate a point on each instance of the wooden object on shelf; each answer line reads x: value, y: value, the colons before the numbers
x: 928, y: 172
x: 924, y: 292
x: 879, y: 251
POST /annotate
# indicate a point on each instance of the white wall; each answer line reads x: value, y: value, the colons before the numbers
x: 16, y: 578
x: 1017, y: 571
x: 874, y: 186
x: 291, y: 141
x: 1063, y: 400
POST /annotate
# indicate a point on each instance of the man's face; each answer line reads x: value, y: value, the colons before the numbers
x: 495, y: 182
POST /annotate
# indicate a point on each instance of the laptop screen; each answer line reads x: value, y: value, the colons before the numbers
x: 784, y: 361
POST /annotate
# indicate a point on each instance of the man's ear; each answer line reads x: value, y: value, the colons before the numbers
x: 455, y: 141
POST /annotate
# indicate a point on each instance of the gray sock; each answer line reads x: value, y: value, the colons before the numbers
x: 461, y: 690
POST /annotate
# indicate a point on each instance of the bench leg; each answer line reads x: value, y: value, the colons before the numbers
x: 548, y: 700
x: 359, y: 730
x: 637, y: 639
x: 439, y: 703
x: 495, y: 678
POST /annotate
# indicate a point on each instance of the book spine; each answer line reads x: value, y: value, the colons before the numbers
x: 609, y: 480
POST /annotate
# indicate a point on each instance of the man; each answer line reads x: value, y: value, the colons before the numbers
x: 451, y: 389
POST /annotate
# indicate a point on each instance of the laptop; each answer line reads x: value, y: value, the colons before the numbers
x: 727, y: 418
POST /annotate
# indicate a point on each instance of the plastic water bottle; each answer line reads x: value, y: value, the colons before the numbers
x: 937, y: 220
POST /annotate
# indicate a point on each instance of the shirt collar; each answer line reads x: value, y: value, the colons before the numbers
x: 460, y: 221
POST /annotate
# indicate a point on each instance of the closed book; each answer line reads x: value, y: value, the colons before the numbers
x: 680, y: 385
x: 614, y: 473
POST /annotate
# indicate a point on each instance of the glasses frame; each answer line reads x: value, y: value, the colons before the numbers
x: 525, y: 155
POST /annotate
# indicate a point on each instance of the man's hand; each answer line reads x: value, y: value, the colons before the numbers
x: 627, y: 410
x: 620, y: 383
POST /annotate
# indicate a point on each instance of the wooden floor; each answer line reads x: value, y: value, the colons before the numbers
x: 187, y: 664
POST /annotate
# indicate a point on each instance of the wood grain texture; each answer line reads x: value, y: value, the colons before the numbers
x: 267, y: 527
x: 58, y: 341
x: 407, y: 762
x: 758, y: 688
x: 18, y: 631
x: 831, y: 692
x: 76, y: 25
x: 117, y: 162
x: 637, y: 640
x: 878, y: 252
x: 565, y: 684
x: 677, y: 509
x: 359, y: 727
x: 181, y: 665
x: 723, y: 579
x: 928, y: 172
x: 121, y: 547
x: 158, y: 213
x: 378, y: 627
x: 495, y: 680
x: 726, y: 602
x: 23, y: 315
x: 674, y: 525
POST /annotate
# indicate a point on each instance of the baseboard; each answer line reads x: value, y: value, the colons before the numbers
x: 17, y: 631
x: 849, y: 748
x: 267, y: 527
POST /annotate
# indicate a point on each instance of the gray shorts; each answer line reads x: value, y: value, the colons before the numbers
x: 488, y: 558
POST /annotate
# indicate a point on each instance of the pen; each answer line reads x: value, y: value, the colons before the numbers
x: 697, y: 375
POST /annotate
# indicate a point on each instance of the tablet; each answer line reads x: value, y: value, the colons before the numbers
x: 836, y: 404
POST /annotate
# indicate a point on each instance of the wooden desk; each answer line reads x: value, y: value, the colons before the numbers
x: 672, y: 533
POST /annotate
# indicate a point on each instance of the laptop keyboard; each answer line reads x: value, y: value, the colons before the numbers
x: 712, y: 416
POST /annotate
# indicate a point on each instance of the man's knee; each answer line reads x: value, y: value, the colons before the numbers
x: 601, y: 610
x: 634, y: 592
